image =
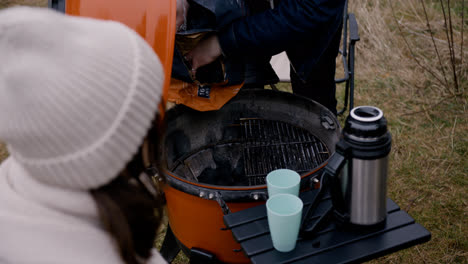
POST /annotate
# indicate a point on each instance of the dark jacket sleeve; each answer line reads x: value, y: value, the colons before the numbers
x: 275, y: 30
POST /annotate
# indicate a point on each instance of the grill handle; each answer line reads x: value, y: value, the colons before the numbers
x: 328, y: 181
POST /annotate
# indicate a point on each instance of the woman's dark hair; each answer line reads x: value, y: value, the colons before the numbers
x: 129, y: 209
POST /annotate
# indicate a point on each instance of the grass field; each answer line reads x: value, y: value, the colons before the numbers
x: 413, y: 84
x: 428, y: 122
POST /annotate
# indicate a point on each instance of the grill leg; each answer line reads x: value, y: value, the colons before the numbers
x: 170, y: 248
x: 199, y: 256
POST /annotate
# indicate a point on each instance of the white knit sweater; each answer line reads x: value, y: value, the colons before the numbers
x: 44, y: 224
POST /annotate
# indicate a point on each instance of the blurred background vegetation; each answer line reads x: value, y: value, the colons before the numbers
x: 412, y: 62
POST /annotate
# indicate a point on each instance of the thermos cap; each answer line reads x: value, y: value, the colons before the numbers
x: 365, y: 122
x: 365, y: 134
x: 366, y: 114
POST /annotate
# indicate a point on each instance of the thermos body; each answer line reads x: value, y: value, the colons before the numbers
x: 356, y: 174
x: 368, y: 191
x: 359, y: 194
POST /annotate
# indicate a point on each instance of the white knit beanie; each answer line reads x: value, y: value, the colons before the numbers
x: 77, y: 95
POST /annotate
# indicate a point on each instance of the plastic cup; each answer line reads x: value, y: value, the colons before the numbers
x: 284, y: 213
x: 283, y: 181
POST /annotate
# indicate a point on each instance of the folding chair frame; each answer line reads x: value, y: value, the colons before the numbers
x: 348, y: 54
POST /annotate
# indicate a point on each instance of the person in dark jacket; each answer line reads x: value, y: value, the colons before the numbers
x: 308, y: 30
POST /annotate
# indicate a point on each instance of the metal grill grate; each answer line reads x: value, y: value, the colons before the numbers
x: 270, y: 145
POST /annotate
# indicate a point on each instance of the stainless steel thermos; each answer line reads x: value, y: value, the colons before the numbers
x: 359, y: 186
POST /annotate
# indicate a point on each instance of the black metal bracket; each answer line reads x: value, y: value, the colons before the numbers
x: 219, y: 198
x: 199, y: 256
x: 324, y: 220
x: 333, y: 168
x: 170, y: 248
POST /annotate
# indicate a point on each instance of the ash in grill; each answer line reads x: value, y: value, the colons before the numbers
x: 261, y: 146
x: 236, y: 146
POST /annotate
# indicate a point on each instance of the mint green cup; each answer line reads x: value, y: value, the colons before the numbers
x: 284, y: 213
x: 283, y: 181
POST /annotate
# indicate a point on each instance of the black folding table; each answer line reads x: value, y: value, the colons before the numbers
x: 331, y: 244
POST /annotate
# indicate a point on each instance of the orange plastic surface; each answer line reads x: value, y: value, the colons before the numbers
x: 198, y: 223
x: 187, y: 94
x: 154, y: 20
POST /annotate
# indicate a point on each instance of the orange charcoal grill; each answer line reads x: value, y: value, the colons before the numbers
x: 217, y: 160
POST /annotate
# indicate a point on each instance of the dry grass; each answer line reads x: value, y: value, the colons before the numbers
x: 429, y: 164
x: 3, y: 152
x: 428, y: 121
